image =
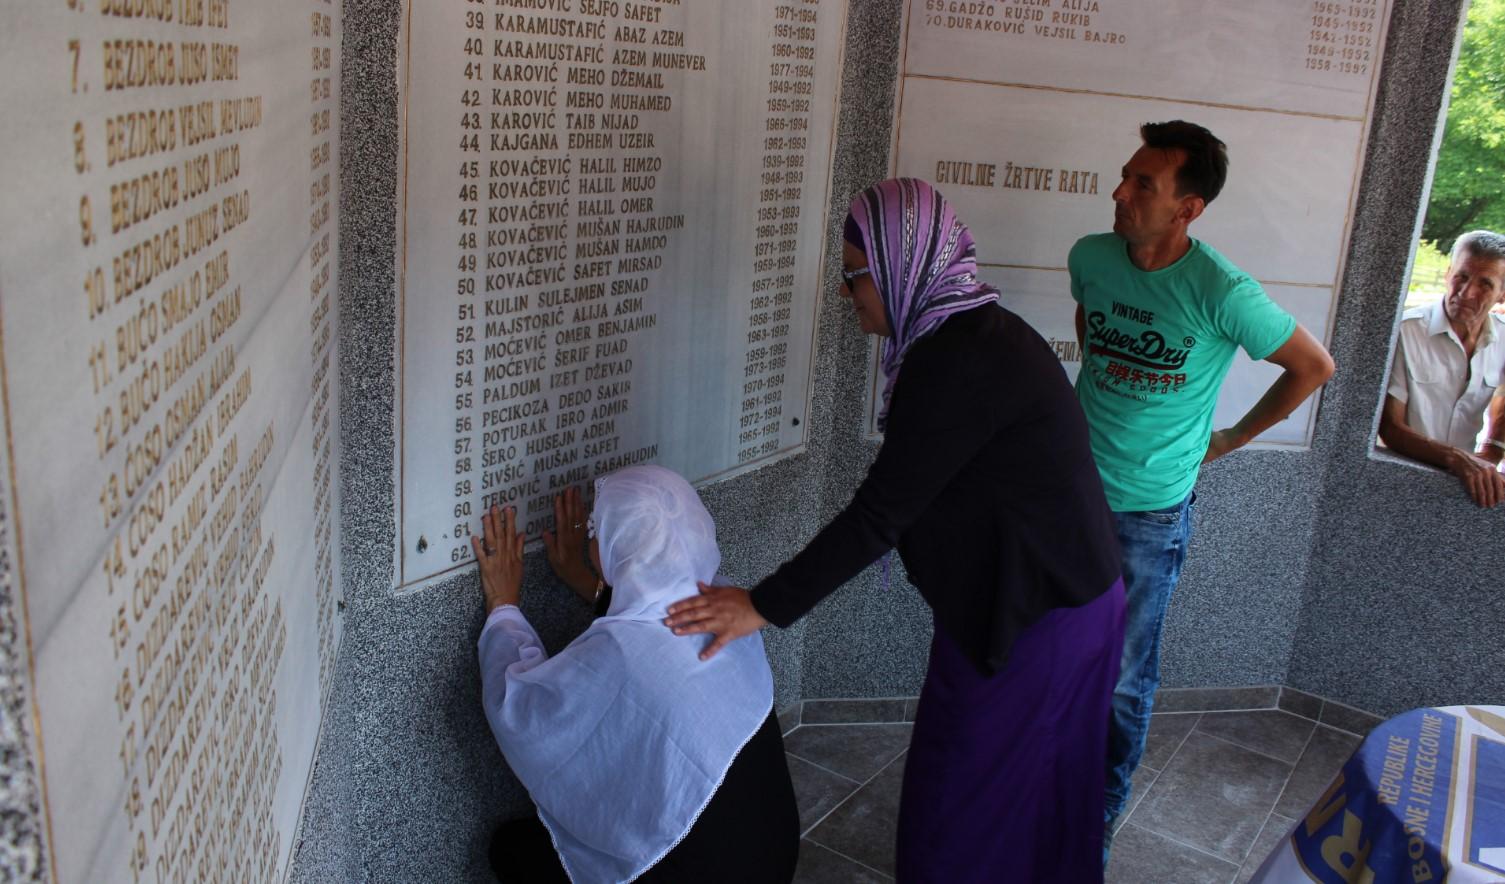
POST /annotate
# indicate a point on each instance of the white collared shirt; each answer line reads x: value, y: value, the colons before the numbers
x: 1445, y: 392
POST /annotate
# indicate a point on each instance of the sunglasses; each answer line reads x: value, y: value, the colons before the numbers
x: 849, y: 276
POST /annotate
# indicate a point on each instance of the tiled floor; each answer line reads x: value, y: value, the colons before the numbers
x: 1215, y: 793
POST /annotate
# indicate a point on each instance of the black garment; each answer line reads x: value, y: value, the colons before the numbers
x: 986, y: 484
x: 748, y: 833
x: 603, y: 602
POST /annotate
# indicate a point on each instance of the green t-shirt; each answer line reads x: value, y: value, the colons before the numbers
x: 1157, y: 347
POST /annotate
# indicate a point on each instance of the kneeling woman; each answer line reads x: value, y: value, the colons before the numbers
x: 644, y: 763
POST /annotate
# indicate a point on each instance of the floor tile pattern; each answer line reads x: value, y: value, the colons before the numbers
x: 1216, y: 792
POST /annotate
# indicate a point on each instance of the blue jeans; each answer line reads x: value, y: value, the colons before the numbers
x: 1154, y: 546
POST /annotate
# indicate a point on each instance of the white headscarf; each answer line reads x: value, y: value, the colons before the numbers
x: 623, y: 737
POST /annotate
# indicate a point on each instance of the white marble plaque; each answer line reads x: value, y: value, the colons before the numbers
x: 1302, y: 56
x: 167, y: 282
x: 1024, y: 112
x: 612, y: 233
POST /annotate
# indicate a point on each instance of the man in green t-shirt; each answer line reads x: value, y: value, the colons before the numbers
x: 1159, y: 316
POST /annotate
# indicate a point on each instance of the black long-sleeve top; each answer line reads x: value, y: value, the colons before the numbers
x: 985, y: 483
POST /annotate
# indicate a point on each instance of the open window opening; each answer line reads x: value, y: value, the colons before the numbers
x: 1440, y: 405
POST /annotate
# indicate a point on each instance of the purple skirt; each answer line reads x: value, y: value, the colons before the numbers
x: 1004, y: 777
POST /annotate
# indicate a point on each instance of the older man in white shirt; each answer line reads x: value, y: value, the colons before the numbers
x: 1448, y: 360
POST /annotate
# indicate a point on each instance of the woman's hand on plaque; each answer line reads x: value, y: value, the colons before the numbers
x: 500, y: 554
x: 565, y: 547
x: 725, y: 611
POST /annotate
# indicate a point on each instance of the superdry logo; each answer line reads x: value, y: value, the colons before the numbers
x: 1148, y: 348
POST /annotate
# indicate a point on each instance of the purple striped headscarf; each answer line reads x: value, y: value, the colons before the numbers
x: 923, y: 262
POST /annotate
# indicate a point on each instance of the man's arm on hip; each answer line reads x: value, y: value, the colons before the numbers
x: 1307, y: 366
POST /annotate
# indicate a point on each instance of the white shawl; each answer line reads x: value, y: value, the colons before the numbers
x: 623, y: 737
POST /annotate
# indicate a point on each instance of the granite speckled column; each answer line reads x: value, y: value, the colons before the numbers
x: 1403, y: 605
x: 21, y: 844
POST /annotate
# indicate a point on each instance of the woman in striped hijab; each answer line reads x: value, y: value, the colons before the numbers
x: 985, y: 484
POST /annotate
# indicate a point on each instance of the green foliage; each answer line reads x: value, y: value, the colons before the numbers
x: 1468, y: 186
x: 1428, y: 275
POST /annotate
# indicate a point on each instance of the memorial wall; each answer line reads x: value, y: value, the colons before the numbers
x: 280, y: 341
x: 610, y: 233
x: 167, y: 289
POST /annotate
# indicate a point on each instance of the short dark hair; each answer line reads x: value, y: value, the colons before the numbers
x: 1479, y: 243
x: 1205, y: 168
